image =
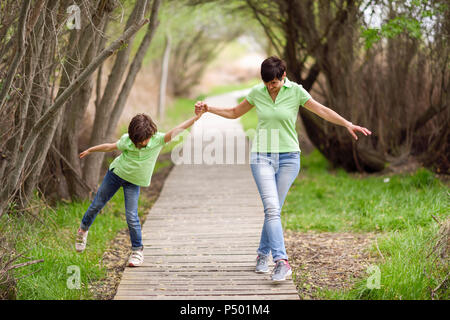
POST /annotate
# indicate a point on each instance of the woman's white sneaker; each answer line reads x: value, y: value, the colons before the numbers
x: 80, y: 242
x: 281, y: 271
x: 262, y: 264
x: 136, y: 258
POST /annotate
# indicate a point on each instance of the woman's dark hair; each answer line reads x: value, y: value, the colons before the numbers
x: 141, y: 128
x: 271, y: 68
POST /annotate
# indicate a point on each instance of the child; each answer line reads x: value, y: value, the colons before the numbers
x: 131, y: 170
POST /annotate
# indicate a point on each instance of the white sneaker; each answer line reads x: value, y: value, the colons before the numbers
x: 136, y: 258
x: 262, y: 264
x: 80, y: 242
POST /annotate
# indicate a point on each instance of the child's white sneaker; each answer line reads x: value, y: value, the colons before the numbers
x: 136, y: 258
x: 80, y: 242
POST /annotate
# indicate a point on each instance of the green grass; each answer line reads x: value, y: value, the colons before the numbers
x: 407, y: 272
x: 231, y: 87
x: 161, y: 165
x: 54, y: 242
x: 397, y: 210
x: 337, y: 201
x: 181, y: 110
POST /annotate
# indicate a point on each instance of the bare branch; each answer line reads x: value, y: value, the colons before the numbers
x: 59, y: 102
x: 19, y: 54
x: 20, y: 265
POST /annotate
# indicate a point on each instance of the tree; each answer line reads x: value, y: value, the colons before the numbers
x: 163, y: 81
x: 198, y: 34
x: 397, y: 87
x: 35, y: 119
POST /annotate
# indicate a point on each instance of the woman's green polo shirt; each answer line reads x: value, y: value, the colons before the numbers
x: 275, y: 131
x: 136, y: 165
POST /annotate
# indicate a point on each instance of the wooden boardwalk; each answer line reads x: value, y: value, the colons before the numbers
x: 201, y: 235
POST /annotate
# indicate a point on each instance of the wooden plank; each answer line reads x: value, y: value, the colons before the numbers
x: 223, y: 245
x: 210, y: 297
x: 197, y: 277
x: 197, y: 242
x: 169, y: 287
x: 231, y: 275
x: 204, y: 282
x: 219, y: 252
x: 243, y: 234
x: 195, y: 292
x: 208, y: 225
x: 159, y: 263
x: 200, y: 258
x: 203, y: 251
x: 230, y: 239
x: 200, y: 268
x: 226, y: 241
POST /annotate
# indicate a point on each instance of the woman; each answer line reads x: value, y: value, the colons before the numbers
x: 275, y: 154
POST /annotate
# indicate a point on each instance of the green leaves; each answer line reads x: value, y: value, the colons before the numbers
x: 413, y: 18
x: 392, y: 29
x: 371, y: 36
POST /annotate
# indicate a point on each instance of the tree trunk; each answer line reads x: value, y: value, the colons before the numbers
x: 52, y: 112
x: 133, y: 71
x: 163, y: 82
x: 93, y: 163
x: 74, y: 113
x: 21, y: 43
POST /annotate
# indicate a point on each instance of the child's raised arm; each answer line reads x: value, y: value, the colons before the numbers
x: 181, y: 127
x: 106, y: 147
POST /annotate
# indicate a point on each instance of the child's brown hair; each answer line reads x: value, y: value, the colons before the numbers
x: 141, y: 128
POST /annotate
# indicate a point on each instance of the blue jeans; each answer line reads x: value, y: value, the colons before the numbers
x: 274, y: 174
x: 111, y: 183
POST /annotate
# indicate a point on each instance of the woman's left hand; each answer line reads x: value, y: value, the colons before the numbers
x: 353, y: 129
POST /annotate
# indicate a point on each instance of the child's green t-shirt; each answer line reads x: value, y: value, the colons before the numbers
x: 136, y: 165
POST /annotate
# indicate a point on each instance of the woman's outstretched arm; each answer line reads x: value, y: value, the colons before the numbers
x: 230, y: 113
x: 331, y: 116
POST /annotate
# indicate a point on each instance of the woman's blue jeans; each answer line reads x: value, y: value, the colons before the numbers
x: 274, y: 174
x: 111, y: 183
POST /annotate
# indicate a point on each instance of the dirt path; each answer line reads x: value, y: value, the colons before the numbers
x: 327, y: 260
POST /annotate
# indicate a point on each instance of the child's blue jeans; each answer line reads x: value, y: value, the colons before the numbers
x: 111, y: 183
x: 274, y: 174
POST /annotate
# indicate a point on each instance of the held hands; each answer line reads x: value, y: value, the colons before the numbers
x: 200, y: 108
x: 353, y: 129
